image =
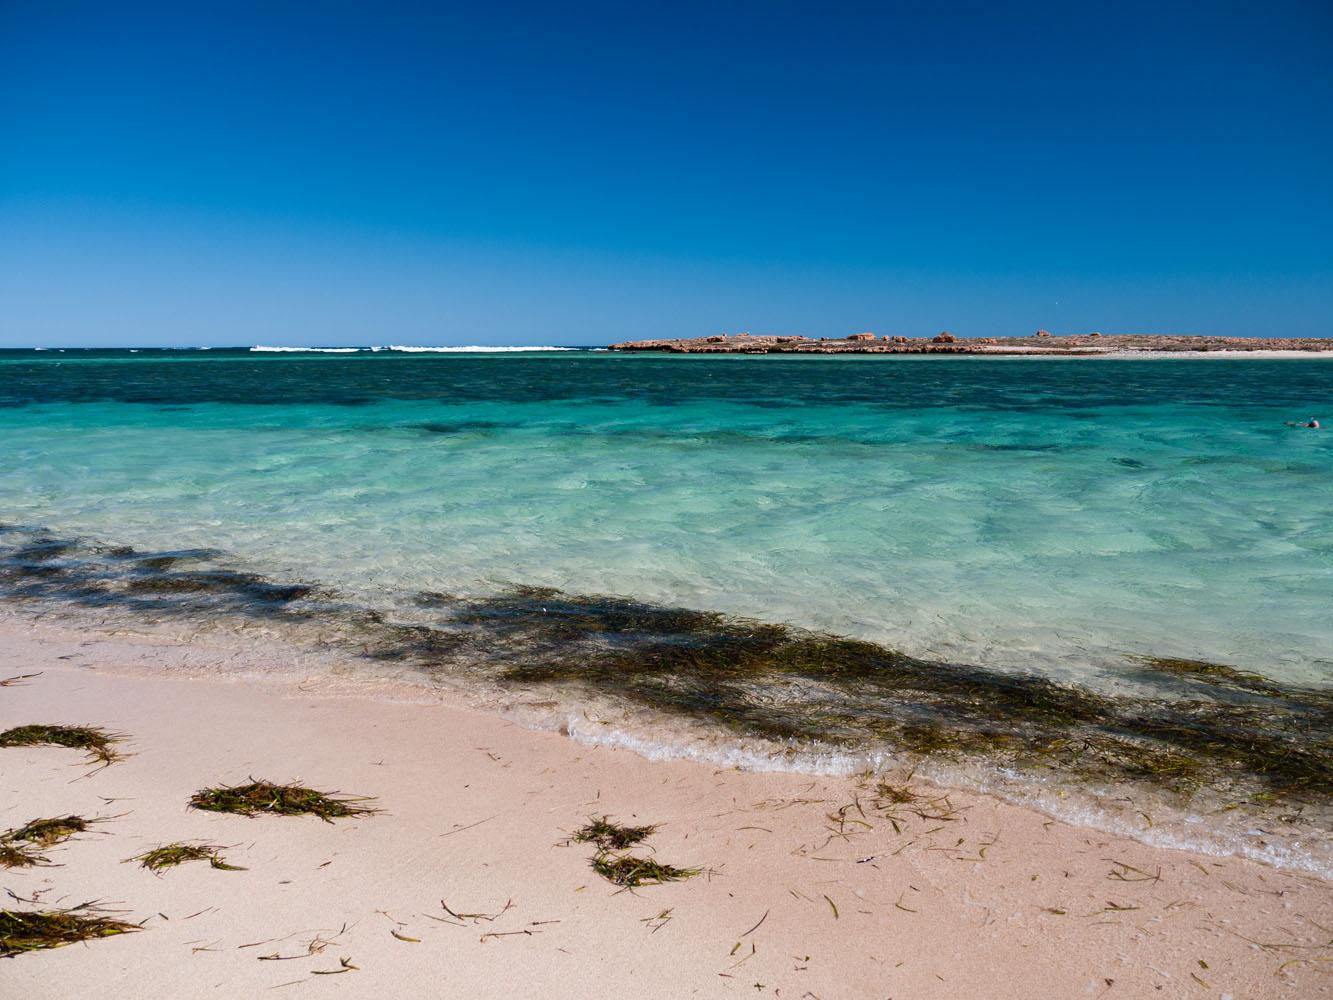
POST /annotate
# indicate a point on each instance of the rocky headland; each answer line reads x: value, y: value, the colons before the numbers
x: 1041, y: 342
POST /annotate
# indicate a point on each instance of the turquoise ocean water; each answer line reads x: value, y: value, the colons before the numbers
x: 1053, y: 517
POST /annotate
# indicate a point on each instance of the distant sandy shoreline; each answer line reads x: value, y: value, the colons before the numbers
x: 812, y: 886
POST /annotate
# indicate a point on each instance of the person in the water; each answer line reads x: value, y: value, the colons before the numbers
x: 1312, y: 423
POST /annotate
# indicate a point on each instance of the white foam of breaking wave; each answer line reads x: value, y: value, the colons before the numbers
x: 470, y: 349
x: 836, y: 763
x: 1188, y: 833
x: 305, y: 350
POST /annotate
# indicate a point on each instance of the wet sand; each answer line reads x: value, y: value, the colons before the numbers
x: 810, y: 887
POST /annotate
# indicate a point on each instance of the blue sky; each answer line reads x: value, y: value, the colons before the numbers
x: 231, y: 173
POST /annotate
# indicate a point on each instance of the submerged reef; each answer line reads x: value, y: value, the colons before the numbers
x: 1210, y: 724
x: 1189, y: 724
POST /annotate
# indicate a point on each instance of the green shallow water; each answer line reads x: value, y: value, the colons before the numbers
x: 1048, y: 515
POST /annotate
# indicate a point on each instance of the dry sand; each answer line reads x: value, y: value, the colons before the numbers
x: 995, y: 902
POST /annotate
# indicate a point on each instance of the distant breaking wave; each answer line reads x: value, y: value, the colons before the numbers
x: 472, y: 349
x: 305, y: 350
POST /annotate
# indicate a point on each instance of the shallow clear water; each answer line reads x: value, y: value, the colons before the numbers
x: 1043, y: 514
x: 1004, y: 523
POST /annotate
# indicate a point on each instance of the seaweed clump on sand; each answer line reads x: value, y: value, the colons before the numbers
x: 611, y: 862
x: 21, y: 846
x: 160, y: 859
x: 96, y: 743
x: 609, y: 836
x: 20, y: 856
x: 22, y: 931
x: 260, y: 798
x: 631, y: 872
x: 888, y: 793
x: 46, y: 832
